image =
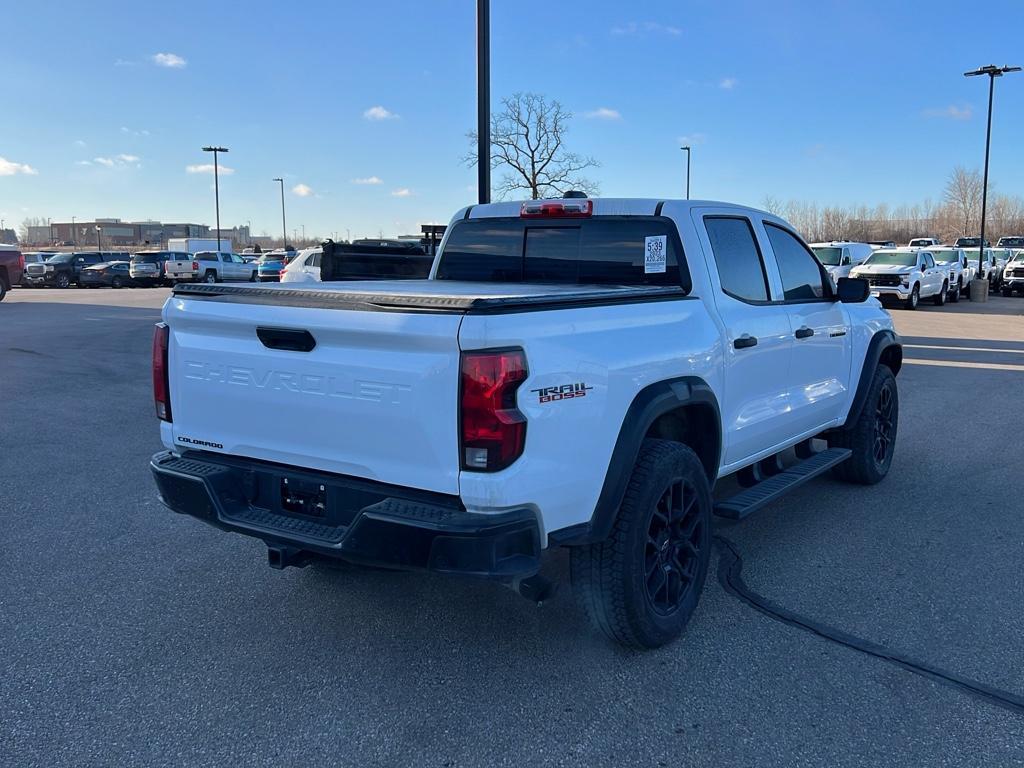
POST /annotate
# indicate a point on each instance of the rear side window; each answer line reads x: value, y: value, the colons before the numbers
x: 604, y: 250
x: 801, y: 274
x: 740, y: 266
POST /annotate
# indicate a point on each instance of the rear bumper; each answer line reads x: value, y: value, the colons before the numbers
x: 355, y: 520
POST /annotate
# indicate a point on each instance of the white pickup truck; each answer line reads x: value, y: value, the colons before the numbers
x: 211, y: 267
x: 575, y: 373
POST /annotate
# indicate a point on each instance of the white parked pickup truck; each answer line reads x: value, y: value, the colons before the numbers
x: 575, y: 373
x: 211, y: 267
x: 906, y: 275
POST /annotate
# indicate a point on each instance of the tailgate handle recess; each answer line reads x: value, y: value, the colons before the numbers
x: 287, y: 339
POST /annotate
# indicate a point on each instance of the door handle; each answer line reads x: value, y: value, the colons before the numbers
x: 804, y: 333
x: 745, y: 341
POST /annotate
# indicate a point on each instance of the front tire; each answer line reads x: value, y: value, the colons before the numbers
x: 641, y: 585
x: 1007, y: 291
x: 914, y: 299
x: 940, y: 297
x: 954, y: 295
x: 872, y: 437
x: 63, y: 281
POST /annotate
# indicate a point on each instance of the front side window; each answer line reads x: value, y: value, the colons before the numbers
x: 800, y: 272
x: 740, y: 266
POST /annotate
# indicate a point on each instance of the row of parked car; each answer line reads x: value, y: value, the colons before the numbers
x: 926, y: 269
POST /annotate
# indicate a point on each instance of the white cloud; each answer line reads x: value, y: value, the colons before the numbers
x: 368, y: 180
x: 953, y: 112
x: 728, y: 83
x: 403, y: 192
x: 117, y: 161
x: 83, y: 162
x: 604, y: 113
x: 379, y: 113
x: 79, y: 143
x: 208, y: 168
x: 133, y: 132
x: 692, y: 139
x: 11, y: 168
x: 647, y: 27
x: 169, y: 60
x: 302, y: 190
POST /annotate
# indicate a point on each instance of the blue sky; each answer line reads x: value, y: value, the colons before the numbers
x: 833, y: 102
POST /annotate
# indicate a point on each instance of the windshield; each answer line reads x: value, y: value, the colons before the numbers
x: 148, y: 258
x: 60, y: 258
x: 896, y: 258
x: 946, y: 257
x: 271, y: 257
x: 830, y: 257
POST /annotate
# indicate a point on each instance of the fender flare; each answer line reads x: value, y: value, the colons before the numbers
x: 880, y: 342
x: 650, y: 403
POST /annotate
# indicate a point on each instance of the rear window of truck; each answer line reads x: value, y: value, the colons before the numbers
x: 604, y: 250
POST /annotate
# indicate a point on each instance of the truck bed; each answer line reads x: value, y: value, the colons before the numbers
x: 435, y: 296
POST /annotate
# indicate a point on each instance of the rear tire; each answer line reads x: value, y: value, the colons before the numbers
x: 117, y: 282
x: 210, y: 277
x: 254, y: 277
x: 940, y: 298
x: 3, y: 288
x: 1007, y: 291
x: 872, y: 437
x: 641, y: 585
x: 914, y: 299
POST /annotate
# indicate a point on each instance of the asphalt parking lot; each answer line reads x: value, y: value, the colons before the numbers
x: 130, y: 636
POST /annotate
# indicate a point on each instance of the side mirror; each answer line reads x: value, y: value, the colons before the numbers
x: 852, y: 290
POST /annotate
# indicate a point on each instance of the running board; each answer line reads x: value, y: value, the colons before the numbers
x: 742, y: 504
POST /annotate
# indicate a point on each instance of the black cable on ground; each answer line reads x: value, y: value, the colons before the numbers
x: 730, y: 567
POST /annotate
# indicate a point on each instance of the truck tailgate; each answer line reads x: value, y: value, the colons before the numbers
x: 376, y: 397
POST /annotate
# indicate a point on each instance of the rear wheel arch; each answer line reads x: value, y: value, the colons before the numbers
x: 5, y: 278
x: 683, y: 410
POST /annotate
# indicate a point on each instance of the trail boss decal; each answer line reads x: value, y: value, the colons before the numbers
x: 562, y: 392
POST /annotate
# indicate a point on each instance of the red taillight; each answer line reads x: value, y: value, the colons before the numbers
x: 575, y: 209
x: 493, y: 429
x: 21, y: 261
x: 161, y: 389
x: 195, y: 266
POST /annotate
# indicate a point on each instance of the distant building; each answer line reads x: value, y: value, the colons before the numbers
x: 8, y: 237
x: 117, y: 233
x: 39, y: 235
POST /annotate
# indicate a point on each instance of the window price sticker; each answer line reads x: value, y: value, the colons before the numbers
x: 655, y: 249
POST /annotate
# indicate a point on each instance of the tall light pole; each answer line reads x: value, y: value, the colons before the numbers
x: 74, y: 240
x: 216, y: 186
x: 284, y: 226
x: 99, y: 244
x: 993, y: 72
x: 687, y: 150
x: 303, y: 235
x: 483, y: 100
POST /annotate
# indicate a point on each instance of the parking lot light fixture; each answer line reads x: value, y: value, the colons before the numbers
x: 687, y: 150
x: 993, y: 72
x: 99, y: 243
x: 284, y: 225
x: 216, y: 186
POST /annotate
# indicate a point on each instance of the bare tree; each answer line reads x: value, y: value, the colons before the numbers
x: 527, y: 140
x: 29, y: 222
x: 963, y: 193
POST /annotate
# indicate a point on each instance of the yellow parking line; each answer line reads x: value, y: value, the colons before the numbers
x: 961, y: 364
x: 962, y: 349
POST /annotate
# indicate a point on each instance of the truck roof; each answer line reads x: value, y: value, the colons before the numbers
x: 603, y: 206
